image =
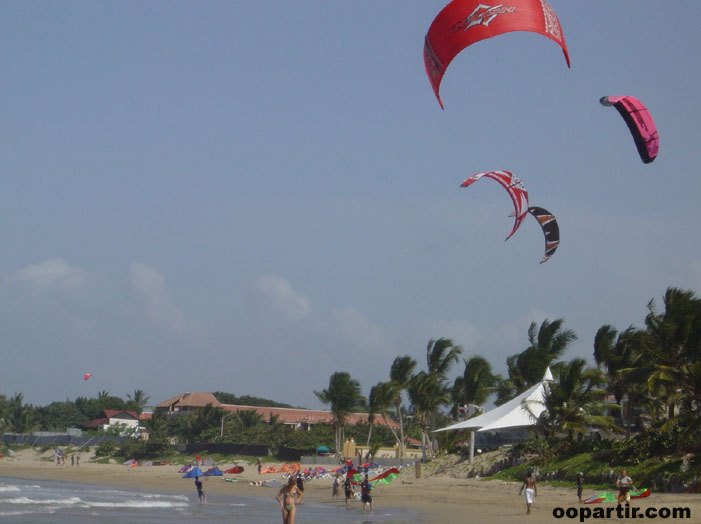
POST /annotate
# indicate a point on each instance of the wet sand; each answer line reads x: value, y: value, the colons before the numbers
x: 442, y: 498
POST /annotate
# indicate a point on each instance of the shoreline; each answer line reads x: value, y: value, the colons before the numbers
x: 438, y: 498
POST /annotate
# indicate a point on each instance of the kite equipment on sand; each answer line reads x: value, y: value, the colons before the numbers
x: 609, y: 496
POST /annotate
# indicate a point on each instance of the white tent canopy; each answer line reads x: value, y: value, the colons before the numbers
x: 518, y: 412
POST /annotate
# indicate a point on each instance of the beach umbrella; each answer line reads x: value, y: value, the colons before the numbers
x: 194, y: 472
x: 323, y: 449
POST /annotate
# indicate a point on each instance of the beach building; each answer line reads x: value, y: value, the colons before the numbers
x: 110, y: 418
x: 299, y: 418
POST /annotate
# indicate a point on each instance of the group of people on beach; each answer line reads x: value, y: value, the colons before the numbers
x: 291, y: 494
x: 61, y: 458
x: 624, y: 484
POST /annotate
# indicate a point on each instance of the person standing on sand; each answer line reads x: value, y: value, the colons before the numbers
x: 580, y: 485
x: 288, y: 497
x: 624, y: 485
x: 259, y: 464
x: 200, y: 492
x: 530, y: 491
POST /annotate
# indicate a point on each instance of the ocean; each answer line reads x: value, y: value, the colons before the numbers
x: 51, y: 502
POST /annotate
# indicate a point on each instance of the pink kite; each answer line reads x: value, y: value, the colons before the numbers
x: 640, y: 123
x: 463, y: 22
x: 513, y: 186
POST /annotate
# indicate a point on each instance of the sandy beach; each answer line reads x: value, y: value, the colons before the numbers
x: 442, y: 498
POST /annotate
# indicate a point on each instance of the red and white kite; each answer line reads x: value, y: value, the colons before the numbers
x: 463, y: 22
x: 513, y: 186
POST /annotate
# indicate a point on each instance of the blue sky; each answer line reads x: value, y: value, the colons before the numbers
x: 249, y: 196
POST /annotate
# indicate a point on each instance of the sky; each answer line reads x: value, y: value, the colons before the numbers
x: 250, y: 196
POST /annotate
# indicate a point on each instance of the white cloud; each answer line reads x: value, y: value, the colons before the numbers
x: 53, y: 273
x: 149, y: 286
x: 277, y: 292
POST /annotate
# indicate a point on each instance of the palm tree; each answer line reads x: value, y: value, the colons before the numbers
x: 400, y: 375
x: 139, y: 399
x: 381, y: 397
x: 441, y: 354
x: 476, y: 383
x: 674, y: 348
x: 527, y: 368
x: 574, y: 402
x: 619, y: 354
x: 19, y: 417
x: 343, y: 394
x: 427, y: 395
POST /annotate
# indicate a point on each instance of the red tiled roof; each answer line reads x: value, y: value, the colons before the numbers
x: 285, y: 415
x: 308, y: 416
x: 190, y: 400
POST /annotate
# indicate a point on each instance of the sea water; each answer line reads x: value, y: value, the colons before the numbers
x: 51, y: 502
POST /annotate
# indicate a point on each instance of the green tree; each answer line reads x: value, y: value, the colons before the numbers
x: 617, y: 354
x: 673, y: 359
x: 574, y: 402
x: 476, y: 383
x: 343, y: 395
x: 382, y: 396
x: 19, y: 417
x: 427, y: 395
x: 441, y: 354
x: 400, y: 374
x: 138, y: 401
x: 527, y: 368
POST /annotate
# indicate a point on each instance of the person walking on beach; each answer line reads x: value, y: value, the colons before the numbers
x: 348, y: 491
x: 624, y: 485
x: 289, y: 497
x: 200, y: 492
x: 259, y: 464
x: 365, y: 496
x: 335, y: 486
x: 530, y: 491
x: 580, y: 485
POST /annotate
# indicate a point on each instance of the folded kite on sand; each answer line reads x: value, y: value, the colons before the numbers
x: 284, y: 468
x: 610, y: 496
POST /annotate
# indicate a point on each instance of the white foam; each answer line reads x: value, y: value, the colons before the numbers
x: 71, y: 501
x: 9, y: 488
x: 137, y: 504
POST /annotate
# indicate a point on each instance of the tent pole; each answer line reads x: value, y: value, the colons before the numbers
x: 472, y: 446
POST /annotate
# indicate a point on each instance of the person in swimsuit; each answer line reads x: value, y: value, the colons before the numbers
x: 288, y: 497
x: 200, y: 491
